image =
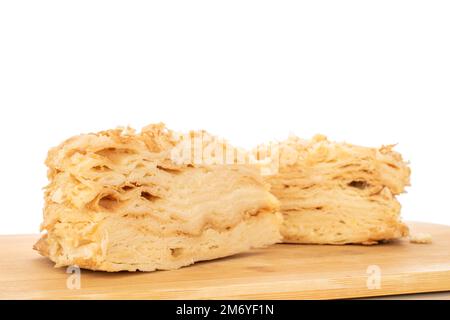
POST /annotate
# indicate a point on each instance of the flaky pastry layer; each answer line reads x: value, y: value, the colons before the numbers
x: 119, y: 200
x: 337, y: 193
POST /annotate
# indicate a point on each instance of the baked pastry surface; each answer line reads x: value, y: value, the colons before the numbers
x: 118, y: 200
x: 337, y: 193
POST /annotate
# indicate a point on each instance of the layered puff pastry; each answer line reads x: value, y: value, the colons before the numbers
x: 119, y: 200
x: 337, y: 193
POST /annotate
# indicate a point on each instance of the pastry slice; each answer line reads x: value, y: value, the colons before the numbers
x: 337, y: 193
x: 119, y: 200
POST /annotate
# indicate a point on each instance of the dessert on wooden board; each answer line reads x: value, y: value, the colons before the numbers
x: 160, y: 200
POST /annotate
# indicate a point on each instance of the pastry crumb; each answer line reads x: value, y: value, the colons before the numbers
x: 421, y: 238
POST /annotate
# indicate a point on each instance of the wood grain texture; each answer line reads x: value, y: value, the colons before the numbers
x: 278, y: 272
x: 415, y: 296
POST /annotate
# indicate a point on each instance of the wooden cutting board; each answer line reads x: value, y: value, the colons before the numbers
x: 278, y: 272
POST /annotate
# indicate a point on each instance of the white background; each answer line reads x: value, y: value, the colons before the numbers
x: 367, y: 72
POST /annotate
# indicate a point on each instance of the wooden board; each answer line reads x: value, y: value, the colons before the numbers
x: 278, y: 272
